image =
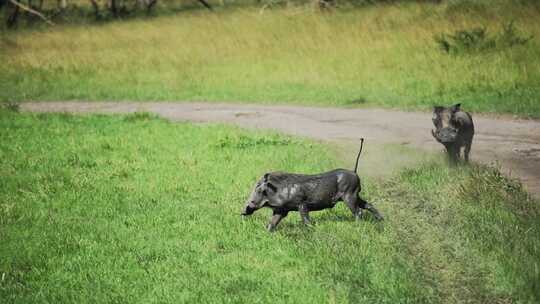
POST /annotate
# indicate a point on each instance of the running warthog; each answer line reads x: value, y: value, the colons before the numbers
x: 284, y: 192
x: 454, y: 129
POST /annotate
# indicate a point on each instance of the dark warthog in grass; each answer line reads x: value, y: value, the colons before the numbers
x: 284, y: 192
x: 454, y: 129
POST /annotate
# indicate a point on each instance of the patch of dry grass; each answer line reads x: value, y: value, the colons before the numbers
x: 380, y: 55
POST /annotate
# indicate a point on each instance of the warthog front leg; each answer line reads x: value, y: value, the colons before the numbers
x: 274, y: 221
x: 467, y: 151
x: 453, y: 153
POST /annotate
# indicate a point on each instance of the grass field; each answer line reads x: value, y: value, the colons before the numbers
x: 382, y: 55
x: 134, y: 209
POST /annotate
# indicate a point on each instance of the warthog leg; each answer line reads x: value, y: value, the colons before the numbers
x: 467, y: 151
x: 274, y: 221
x: 304, y: 213
x: 368, y: 206
x: 352, y: 201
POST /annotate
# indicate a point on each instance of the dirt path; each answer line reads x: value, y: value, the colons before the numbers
x: 514, y: 144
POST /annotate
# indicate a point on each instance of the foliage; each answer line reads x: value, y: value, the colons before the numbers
x: 477, y: 40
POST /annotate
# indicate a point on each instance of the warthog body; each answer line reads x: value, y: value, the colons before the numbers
x: 454, y: 129
x: 284, y: 192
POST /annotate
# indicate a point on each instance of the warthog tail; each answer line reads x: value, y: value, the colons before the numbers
x: 359, y: 152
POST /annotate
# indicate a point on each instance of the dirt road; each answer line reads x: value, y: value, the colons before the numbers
x: 514, y: 144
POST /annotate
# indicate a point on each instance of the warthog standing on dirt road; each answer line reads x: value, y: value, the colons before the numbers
x: 284, y: 192
x: 454, y: 129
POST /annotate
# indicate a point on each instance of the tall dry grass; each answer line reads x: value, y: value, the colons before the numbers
x: 376, y: 55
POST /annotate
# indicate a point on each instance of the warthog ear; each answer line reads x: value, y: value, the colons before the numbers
x: 265, y: 177
x: 438, y: 109
x: 455, y: 108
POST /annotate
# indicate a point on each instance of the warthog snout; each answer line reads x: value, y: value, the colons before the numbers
x: 248, y: 210
x: 446, y: 135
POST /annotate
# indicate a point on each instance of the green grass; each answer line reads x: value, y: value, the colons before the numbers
x: 135, y: 209
x: 382, y: 55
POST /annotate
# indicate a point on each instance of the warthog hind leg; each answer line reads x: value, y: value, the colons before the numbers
x: 304, y: 214
x: 368, y: 206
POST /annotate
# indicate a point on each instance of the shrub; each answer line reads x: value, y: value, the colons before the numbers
x: 478, y: 40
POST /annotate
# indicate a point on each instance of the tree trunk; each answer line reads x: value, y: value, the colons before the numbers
x: 206, y: 4
x: 114, y: 9
x: 17, y: 7
x: 13, y: 17
x: 95, y: 5
x: 150, y: 4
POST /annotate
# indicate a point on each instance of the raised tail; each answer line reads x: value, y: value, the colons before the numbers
x: 359, y: 152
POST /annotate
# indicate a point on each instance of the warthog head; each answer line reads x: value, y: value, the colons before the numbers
x: 259, y: 196
x: 446, y: 127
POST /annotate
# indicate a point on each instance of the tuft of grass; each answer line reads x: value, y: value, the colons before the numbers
x: 10, y: 106
x: 383, y: 53
x: 108, y: 209
x: 244, y: 142
x: 140, y: 116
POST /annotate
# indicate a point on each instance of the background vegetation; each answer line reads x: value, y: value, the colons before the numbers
x: 403, y: 54
x: 135, y: 209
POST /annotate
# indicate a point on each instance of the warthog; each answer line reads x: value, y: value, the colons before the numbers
x: 454, y: 129
x: 284, y: 192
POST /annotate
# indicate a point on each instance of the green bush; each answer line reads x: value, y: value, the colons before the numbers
x: 478, y: 40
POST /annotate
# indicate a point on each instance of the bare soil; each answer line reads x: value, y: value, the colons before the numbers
x: 396, y: 138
